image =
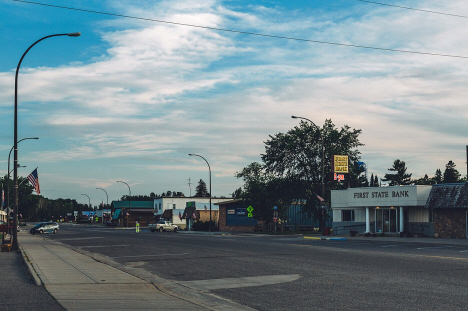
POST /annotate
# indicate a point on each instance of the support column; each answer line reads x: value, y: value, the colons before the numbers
x: 367, y: 220
x: 402, y: 220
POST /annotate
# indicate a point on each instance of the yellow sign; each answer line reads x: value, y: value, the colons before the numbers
x: 340, y: 164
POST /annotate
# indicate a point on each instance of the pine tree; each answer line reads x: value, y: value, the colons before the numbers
x: 438, y: 176
x: 400, y: 177
x: 451, y: 174
x: 201, y: 190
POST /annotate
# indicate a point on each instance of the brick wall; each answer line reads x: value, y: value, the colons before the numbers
x: 224, y: 227
x: 450, y: 222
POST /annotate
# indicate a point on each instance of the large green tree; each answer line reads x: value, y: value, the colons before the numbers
x: 451, y: 174
x: 400, y: 177
x: 201, y: 189
x: 292, y: 166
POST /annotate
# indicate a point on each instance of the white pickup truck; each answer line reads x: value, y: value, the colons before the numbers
x: 163, y: 226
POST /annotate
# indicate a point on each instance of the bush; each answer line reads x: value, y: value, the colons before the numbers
x: 203, y: 226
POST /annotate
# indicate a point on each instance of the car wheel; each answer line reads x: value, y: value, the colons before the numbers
x: 161, y: 229
x: 41, y: 231
x: 175, y: 230
x: 55, y: 230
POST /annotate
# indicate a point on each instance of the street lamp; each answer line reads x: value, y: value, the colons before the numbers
x: 107, y: 204
x: 8, y: 180
x: 89, y: 200
x: 129, y: 196
x: 14, y: 245
x: 323, y: 153
x: 106, y: 195
x: 209, y: 168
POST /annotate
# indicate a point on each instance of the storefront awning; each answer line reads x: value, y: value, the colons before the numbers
x: 116, y: 214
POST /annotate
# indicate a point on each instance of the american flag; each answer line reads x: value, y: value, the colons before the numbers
x: 34, y: 180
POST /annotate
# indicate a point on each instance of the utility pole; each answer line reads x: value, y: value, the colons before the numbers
x: 190, y: 186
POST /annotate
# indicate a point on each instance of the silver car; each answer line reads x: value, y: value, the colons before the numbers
x: 45, y: 227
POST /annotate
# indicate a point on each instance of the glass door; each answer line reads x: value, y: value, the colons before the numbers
x: 386, y: 221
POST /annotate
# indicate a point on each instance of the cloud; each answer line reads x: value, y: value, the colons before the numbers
x: 162, y: 91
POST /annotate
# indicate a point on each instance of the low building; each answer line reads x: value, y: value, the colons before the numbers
x: 128, y: 213
x: 382, y: 210
x: 233, y: 217
x: 449, y: 203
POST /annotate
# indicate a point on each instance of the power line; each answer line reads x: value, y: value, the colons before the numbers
x: 413, y: 9
x: 248, y: 33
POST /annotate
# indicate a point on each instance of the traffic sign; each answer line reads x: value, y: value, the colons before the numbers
x: 249, y: 215
x: 275, y: 219
x: 250, y: 209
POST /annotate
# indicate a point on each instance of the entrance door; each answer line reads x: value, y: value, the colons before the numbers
x: 386, y: 220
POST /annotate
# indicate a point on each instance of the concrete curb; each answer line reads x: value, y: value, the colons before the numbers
x: 327, y: 239
x: 30, y: 267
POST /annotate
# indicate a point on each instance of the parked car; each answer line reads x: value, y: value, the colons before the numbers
x: 163, y: 226
x: 45, y: 227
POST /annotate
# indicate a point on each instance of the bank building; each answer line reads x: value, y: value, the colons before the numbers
x: 417, y: 210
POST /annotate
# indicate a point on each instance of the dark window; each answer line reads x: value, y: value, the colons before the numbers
x: 347, y: 215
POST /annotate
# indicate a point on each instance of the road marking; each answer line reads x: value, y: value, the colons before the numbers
x: 442, y: 257
x: 213, y: 284
x: 434, y: 247
x: 96, y: 246
x: 388, y: 245
x: 157, y: 255
x: 77, y: 239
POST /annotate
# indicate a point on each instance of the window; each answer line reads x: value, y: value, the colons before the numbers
x: 159, y: 206
x: 347, y: 215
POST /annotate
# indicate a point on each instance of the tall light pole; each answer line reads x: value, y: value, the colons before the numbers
x: 107, y: 204
x: 14, y: 245
x: 89, y: 200
x: 209, y: 168
x: 129, y: 196
x: 323, y: 153
x: 106, y: 195
x: 8, y: 180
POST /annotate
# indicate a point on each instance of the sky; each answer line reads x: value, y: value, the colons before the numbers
x: 130, y: 98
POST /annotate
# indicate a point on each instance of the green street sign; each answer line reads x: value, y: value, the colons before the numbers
x: 250, y: 209
x: 249, y: 215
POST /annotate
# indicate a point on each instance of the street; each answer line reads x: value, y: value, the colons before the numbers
x: 290, y: 271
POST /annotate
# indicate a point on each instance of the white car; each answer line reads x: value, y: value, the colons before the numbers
x: 164, y: 225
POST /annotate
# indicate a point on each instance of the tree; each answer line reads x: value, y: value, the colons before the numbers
x: 451, y: 174
x: 292, y: 168
x: 400, y: 177
x: 201, y: 190
x: 261, y: 190
x: 424, y: 181
x: 438, y: 176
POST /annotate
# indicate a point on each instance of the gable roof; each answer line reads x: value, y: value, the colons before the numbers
x: 448, y: 196
x: 133, y: 204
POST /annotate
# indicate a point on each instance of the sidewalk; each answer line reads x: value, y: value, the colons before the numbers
x: 79, y: 282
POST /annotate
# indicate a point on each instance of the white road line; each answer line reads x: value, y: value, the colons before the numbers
x: 97, y: 246
x: 156, y: 255
x: 77, y: 239
x: 388, y: 245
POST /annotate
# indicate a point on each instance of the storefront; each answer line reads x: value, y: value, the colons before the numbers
x: 382, y: 210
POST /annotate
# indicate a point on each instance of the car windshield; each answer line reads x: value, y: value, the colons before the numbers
x: 39, y: 225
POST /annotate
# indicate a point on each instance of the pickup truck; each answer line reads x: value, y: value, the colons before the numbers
x: 162, y: 226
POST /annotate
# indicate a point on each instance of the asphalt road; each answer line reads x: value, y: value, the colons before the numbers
x: 307, y: 274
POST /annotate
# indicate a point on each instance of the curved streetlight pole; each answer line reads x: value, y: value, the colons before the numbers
x: 209, y: 168
x: 129, y: 196
x: 89, y: 200
x: 8, y: 180
x: 106, y: 195
x: 14, y: 245
x: 323, y: 153
x: 107, y: 204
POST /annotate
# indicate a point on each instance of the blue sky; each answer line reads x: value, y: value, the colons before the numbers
x: 129, y: 99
